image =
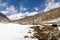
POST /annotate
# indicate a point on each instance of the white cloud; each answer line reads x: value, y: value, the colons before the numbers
x: 36, y: 8
x: 22, y: 8
x: 12, y: 9
x: 51, y: 4
x: 7, y: 9
x: 3, y: 4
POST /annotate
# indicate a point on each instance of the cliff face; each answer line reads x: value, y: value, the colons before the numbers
x: 3, y: 18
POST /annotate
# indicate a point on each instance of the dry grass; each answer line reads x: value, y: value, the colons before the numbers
x: 45, y: 33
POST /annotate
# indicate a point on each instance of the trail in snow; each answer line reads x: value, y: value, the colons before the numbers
x: 12, y: 31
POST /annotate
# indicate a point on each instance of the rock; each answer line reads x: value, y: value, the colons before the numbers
x: 46, y: 33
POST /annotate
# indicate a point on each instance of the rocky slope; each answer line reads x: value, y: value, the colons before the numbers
x: 38, y: 18
x: 3, y: 18
x: 52, y: 14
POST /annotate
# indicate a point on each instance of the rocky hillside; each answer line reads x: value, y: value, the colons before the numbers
x: 52, y: 14
x: 38, y: 18
x: 3, y: 18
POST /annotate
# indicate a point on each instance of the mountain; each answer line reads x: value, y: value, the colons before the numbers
x: 3, y: 18
x: 41, y: 17
x: 51, y: 15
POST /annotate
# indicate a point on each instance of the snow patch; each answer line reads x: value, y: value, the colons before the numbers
x: 12, y: 31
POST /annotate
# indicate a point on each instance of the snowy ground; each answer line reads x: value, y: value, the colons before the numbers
x: 10, y: 31
x: 57, y: 20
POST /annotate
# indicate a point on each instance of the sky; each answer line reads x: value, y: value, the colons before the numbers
x: 17, y: 9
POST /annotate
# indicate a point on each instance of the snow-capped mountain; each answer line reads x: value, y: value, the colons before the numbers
x: 49, y: 16
x: 12, y: 31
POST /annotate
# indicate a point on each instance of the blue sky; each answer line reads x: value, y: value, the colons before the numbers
x: 29, y: 4
x: 10, y: 7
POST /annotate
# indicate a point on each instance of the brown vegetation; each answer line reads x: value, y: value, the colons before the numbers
x: 46, y: 33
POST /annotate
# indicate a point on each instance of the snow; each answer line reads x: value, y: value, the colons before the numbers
x: 53, y: 20
x: 56, y: 20
x: 10, y: 31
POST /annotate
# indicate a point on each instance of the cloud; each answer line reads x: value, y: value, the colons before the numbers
x: 36, y: 8
x: 4, y: 4
x: 51, y: 4
x: 11, y: 9
x: 22, y: 8
x: 5, y: 9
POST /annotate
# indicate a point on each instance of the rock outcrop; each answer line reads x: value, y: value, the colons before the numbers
x: 3, y: 18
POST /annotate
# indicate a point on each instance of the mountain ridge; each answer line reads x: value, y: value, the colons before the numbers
x: 3, y: 18
x: 36, y: 19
